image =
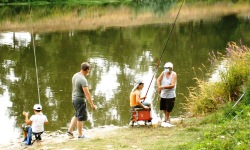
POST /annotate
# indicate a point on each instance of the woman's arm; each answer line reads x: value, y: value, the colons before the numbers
x: 138, y: 100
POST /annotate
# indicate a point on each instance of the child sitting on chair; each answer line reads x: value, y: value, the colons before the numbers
x: 37, y: 122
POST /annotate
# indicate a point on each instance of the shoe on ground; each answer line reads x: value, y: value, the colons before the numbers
x: 70, y: 134
x: 25, y: 139
x: 82, y: 137
x: 141, y: 122
x: 136, y: 123
x: 131, y: 123
x: 165, y: 124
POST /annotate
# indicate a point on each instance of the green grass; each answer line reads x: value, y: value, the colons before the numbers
x: 218, y: 131
x: 226, y: 131
x: 135, y: 138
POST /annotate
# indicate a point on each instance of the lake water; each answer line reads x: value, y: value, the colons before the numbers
x: 117, y: 56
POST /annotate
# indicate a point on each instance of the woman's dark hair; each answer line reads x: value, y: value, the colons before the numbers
x: 85, y: 66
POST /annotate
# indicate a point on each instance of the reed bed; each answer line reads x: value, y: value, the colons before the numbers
x: 94, y: 17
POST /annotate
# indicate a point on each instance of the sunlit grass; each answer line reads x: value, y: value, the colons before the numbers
x: 215, y: 131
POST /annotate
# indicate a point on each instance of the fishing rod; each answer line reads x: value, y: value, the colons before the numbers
x: 239, y: 99
x: 34, y: 50
x: 236, y: 104
x: 159, y: 61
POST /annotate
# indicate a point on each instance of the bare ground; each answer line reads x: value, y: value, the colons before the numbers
x: 59, y: 137
x: 50, y: 138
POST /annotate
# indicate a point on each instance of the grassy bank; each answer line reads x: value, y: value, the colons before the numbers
x: 233, y: 76
x: 212, y: 132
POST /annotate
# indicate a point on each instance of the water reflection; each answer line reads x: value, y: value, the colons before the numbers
x: 108, y: 82
x: 117, y: 55
x: 15, y: 39
x: 8, y: 122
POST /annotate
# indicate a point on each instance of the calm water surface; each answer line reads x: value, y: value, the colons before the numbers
x: 117, y: 56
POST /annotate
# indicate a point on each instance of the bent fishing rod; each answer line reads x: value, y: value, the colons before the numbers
x: 159, y: 61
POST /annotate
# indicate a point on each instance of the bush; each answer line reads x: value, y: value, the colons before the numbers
x: 233, y: 70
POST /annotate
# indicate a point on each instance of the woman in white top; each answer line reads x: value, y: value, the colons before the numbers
x: 166, y: 83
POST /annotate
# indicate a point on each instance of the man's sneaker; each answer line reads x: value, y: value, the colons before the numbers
x: 165, y: 124
x: 25, y: 139
x: 82, y: 137
x: 70, y: 134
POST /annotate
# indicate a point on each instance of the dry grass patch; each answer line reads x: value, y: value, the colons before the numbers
x: 96, y: 17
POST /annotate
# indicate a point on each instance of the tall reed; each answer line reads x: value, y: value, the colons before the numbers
x: 233, y: 71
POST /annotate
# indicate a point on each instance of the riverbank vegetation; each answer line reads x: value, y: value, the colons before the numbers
x: 225, y: 101
x: 60, y: 17
x: 232, y: 73
x: 220, y: 115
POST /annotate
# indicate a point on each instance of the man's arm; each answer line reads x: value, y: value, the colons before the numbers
x: 88, y: 96
x: 159, y: 82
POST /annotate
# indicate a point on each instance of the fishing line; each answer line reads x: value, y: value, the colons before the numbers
x: 34, y: 50
x: 157, y: 65
x: 236, y: 104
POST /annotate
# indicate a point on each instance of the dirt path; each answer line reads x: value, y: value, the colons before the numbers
x: 50, y: 138
x: 59, y: 137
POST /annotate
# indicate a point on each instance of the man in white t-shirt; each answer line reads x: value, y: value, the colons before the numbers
x: 36, y: 121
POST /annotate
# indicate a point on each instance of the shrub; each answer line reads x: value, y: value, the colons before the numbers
x: 233, y: 70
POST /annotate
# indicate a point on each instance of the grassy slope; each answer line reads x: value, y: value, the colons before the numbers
x: 212, y: 132
x: 136, y: 138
